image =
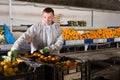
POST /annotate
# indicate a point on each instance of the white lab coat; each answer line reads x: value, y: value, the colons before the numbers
x: 42, y: 36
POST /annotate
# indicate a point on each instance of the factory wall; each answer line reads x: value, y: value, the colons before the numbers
x: 29, y: 13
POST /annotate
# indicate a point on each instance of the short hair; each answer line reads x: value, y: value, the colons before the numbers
x: 48, y: 10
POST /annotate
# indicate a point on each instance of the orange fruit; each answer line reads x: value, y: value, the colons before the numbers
x: 42, y: 57
x: 65, y: 67
x: 75, y: 64
x: 53, y: 59
x: 26, y: 55
x: 49, y: 57
x: 45, y: 58
x: 68, y: 63
x: 35, y: 54
x: 57, y: 58
x: 5, y: 66
x: 39, y: 55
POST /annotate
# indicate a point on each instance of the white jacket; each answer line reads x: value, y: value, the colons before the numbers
x: 42, y: 36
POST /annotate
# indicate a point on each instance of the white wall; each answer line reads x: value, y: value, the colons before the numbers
x: 30, y: 13
x: 106, y: 18
x: 4, y: 14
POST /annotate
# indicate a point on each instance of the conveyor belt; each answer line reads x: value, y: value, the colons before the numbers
x: 95, y: 54
x: 89, y: 47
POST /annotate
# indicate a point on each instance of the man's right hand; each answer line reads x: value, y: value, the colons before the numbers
x: 12, y: 53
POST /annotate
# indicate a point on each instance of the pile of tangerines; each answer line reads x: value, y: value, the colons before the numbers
x: 8, y: 68
x: 51, y: 59
x: 72, y: 34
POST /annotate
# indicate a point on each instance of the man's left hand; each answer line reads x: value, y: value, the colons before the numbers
x: 44, y: 50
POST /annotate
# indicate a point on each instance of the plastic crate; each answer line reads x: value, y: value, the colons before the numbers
x: 23, y: 76
x: 9, y: 39
x: 36, y: 73
x: 8, y: 35
x: 75, y: 73
x: 39, y: 73
x: 69, y: 74
x: 53, y: 71
x: 38, y: 69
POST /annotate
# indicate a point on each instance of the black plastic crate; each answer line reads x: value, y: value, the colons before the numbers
x: 39, y: 73
x: 38, y: 69
x: 55, y: 71
x: 68, y: 74
x: 22, y: 76
x: 36, y: 72
x: 75, y: 73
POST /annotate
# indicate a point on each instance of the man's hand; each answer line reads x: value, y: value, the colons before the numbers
x: 44, y: 50
x: 12, y: 53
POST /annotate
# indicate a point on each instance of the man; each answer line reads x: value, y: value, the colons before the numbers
x: 45, y: 35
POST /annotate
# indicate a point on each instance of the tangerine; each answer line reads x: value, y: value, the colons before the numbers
x: 42, y: 57
x: 68, y: 63
x: 53, y: 59
x: 49, y: 57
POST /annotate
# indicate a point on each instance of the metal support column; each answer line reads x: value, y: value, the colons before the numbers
x: 10, y: 14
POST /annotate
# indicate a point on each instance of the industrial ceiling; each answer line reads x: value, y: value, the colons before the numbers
x: 97, y: 4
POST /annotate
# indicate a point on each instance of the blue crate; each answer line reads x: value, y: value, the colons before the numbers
x: 9, y: 37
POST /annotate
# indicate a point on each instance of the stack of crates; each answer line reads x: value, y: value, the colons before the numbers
x: 34, y: 72
x: 51, y: 71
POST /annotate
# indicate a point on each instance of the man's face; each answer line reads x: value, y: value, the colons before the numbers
x: 47, y: 18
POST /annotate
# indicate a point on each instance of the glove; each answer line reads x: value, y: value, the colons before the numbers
x: 44, y: 50
x: 12, y: 53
